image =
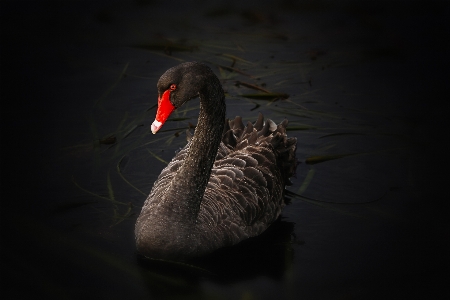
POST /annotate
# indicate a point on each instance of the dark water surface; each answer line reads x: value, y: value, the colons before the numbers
x: 366, y: 84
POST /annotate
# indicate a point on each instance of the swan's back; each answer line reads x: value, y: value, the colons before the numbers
x: 244, y: 194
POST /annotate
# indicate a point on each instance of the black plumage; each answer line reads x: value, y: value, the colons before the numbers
x: 226, y: 185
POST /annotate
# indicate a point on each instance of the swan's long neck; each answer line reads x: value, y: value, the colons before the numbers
x: 190, y: 182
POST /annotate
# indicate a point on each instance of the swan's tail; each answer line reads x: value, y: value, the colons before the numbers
x: 264, y: 134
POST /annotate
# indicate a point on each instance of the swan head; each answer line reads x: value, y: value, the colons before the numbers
x: 177, y: 86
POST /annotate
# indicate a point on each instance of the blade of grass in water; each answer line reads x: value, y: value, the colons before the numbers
x: 93, y: 126
x: 231, y: 69
x: 306, y: 181
x: 226, y: 75
x: 126, y: 215
x: 300, y: 127
x: 311, y: 200
x: 169, y: 140
x: 159, y: 139
x: 251, y: 86
x: 302, y: 113
x: 315, y: 159
x: 330, y: 206
x: 126, y: 134
x: 266, y: 96
x: 124, y: 179
x: 257, y: 105
x: 125, y: 117
x: 179, y: 264
x: 235, y: 58
x: 153, y: 106
x: 108, y: 91
x: 157, y: 157
x: 214, y: 45
x: 325, y: 204
x: 118, y: 129
x: 166, y: 47
x: 108, y: 140
x: 325, y: 148
x: 292, y: 112
x: 94, y: 194
x: 342, y: 133
x: 297, y: 104
x: 110, y: 189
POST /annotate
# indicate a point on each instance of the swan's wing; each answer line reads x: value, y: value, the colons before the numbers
x: 245, y: 191
x: 242, y: 198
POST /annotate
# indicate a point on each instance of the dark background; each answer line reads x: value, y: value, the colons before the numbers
x: 35, y: 37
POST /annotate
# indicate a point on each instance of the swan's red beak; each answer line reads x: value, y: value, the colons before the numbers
x: 165, y: 108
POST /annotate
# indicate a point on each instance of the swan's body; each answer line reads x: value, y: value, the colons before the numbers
x: 225, y: 186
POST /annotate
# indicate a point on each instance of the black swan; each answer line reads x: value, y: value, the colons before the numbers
x: 226, y: 185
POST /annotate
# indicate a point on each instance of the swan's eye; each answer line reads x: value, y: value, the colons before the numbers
x: 172, y: 87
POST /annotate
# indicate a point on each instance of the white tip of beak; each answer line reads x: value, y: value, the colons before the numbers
x: 156, y: 126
